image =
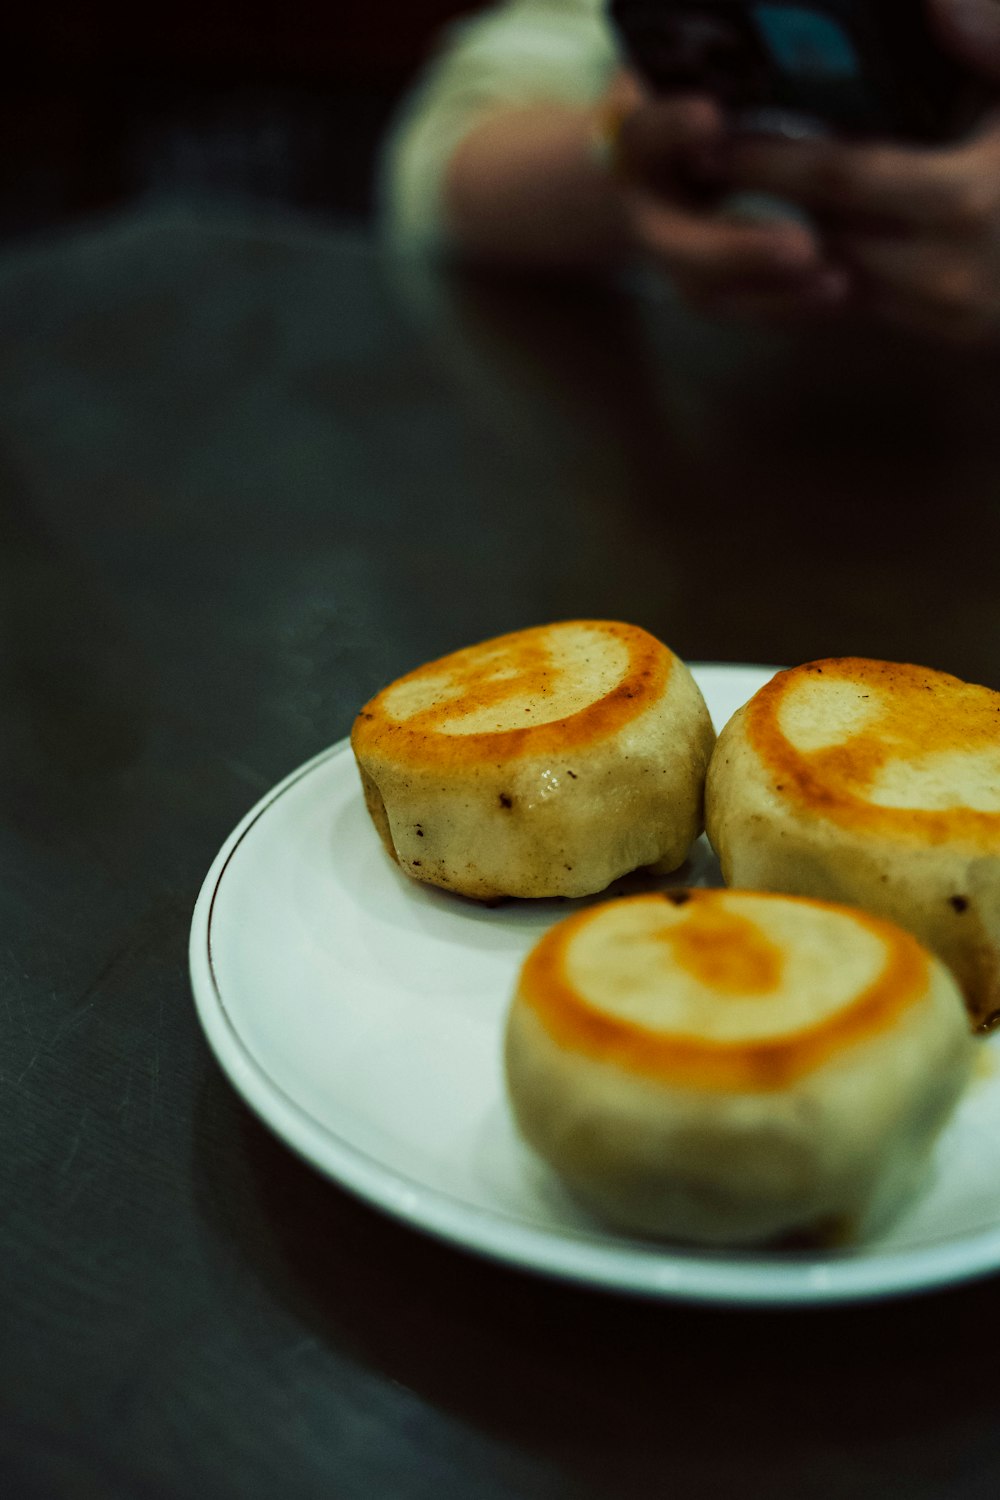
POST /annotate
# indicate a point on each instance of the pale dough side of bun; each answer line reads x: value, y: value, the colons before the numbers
x: 784, y: 822
x: 649, y: 1144
x: 531, y: 805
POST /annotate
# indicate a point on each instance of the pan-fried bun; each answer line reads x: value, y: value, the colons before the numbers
x: 547, y: 762
x: 878, y: 784
x: 728, y: 1067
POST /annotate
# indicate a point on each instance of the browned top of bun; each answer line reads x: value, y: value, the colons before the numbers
x: 535, y: 691
x: 884, y: 747
x: 721, y: 990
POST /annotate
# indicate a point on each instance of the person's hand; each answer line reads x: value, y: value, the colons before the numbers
x: 726, y: 266
x: 918, y: 227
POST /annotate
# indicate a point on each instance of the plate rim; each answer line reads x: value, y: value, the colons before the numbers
x: 720, y: 1277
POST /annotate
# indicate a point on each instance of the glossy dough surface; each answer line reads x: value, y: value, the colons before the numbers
x: 878, y: 784
x: 727, y: 1067
x: 547, y: 762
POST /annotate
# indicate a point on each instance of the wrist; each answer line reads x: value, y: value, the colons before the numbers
x: 537, y: 184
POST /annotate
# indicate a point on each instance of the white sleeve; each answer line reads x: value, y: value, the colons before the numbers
x: 517, y: 53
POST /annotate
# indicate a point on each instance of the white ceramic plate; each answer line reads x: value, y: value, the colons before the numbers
x: 360, y: 1015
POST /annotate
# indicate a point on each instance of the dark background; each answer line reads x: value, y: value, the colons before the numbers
x: 102, y: 105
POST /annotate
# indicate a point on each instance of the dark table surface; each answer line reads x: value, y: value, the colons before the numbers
x: 246, y: 478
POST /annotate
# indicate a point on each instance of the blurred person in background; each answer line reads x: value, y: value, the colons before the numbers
x: 527, y: 145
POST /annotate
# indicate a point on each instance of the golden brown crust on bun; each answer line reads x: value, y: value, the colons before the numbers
x: 729, y: 1067
x: 876, y: 783
x: 541, y: 763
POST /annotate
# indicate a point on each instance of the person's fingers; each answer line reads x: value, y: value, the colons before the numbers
x: 730, y: 269
x: 712, y: 248
x: 970, y: 30
x: 759, y: 301
x: 922, y: 284
x: 928, y: 320
x: 954, y: 190
x: 654, y: 140
x: 662, y: 145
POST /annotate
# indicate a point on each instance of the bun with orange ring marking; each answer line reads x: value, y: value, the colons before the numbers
x: 727, y: 1067
x: 547, y: 762
x: 875, y: 783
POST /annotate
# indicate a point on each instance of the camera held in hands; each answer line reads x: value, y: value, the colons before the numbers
x: 804, y: 67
